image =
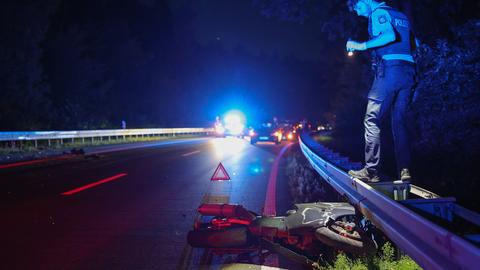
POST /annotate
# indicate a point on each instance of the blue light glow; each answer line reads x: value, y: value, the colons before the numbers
x: 256, y: 169
x: 235, y: 122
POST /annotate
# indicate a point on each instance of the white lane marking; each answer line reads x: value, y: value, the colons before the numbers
x: 191, y: 153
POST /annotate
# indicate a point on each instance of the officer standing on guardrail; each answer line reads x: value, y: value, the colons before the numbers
x: 392, y: 44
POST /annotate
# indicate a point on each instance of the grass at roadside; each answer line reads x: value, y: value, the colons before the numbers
x: 323, y: 138
x: 27, y: 151
x: 386, y: 259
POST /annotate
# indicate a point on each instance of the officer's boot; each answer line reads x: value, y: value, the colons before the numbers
x: 405, y: 175
x: 365, y: 175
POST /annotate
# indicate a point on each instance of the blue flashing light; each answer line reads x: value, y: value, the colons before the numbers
x: 234, y: 122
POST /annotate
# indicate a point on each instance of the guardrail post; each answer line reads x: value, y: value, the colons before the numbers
x: 36, y: 144
x: 83, y: 140
x: 61, y: 141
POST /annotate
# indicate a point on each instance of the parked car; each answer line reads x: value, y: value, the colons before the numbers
x: 289, y: 134
x: 265, y: 133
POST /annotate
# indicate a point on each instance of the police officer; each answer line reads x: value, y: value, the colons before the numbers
x: 392, y: 44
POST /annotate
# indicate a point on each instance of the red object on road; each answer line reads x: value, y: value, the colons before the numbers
x: 73, y: 191
x: 225, y: 210
x: 220, y: 174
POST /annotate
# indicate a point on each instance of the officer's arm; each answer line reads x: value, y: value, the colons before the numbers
x: 382, y: 30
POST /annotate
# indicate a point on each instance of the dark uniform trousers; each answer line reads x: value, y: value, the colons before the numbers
x: 391, y: 91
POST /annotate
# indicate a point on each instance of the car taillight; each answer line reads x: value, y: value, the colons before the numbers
x: 278, y: 134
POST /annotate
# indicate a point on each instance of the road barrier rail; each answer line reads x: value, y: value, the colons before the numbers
x: 385, y: 205
x: 49, y: 136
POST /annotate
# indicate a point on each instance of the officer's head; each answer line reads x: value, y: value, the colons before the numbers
x: 361, y: 7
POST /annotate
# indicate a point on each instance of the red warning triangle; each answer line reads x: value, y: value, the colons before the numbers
x: 220, y: 174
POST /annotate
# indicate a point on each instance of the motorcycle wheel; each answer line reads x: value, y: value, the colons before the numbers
x: 233, y: 237
x: 335, y: 235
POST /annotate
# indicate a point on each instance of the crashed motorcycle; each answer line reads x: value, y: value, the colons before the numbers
x: 304, y: 234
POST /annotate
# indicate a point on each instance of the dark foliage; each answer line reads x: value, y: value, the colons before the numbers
x: 99, y: 54
x: 22, y: 86
x: 447, y: 103
x: 91, y: 64
x: 332, y: 17
x: 447, y: 113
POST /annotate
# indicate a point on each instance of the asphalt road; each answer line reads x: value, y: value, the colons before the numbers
x: 134, y: 207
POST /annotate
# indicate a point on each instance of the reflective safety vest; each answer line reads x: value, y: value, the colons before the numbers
x: 404, y: 42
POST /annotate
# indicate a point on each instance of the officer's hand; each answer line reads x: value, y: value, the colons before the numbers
x: 355, y: 46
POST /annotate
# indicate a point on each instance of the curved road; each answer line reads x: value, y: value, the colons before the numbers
x: 130, y: 209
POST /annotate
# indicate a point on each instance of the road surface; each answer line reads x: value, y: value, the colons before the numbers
x: 129, y: 209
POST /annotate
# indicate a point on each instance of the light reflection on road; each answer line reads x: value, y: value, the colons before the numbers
x: 228, y: 147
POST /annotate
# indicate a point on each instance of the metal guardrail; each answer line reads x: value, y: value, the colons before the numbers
x: 430, y: 245
x: 82, y: 134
